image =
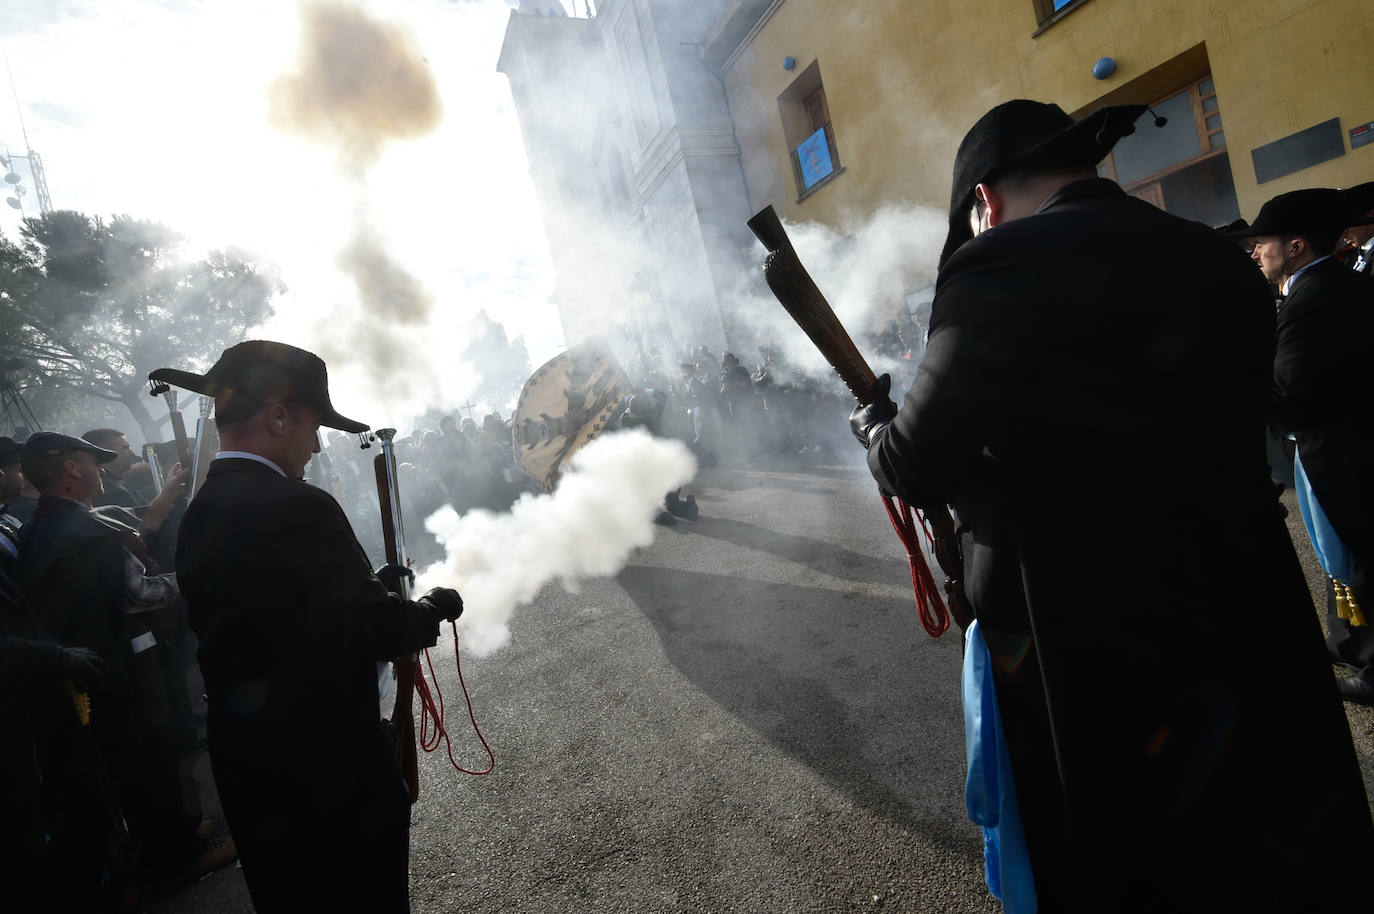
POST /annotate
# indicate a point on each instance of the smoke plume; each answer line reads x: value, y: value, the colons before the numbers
x: 360, y: 83
x: 602, y: 510
x: 385, y: 288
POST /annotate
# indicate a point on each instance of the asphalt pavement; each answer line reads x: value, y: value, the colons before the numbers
x: 748, y: 718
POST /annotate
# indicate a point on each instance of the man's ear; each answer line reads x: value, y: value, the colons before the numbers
x: 277, y: 416
x: 992, y: 201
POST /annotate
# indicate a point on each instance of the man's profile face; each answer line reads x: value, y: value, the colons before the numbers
x: 302, y: 439
x: 124, y: 456
x: 1268, y: 256
x: 1357, y: 235
x: 87, y: 472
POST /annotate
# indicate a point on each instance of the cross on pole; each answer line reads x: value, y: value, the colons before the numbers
x: 468, y: 406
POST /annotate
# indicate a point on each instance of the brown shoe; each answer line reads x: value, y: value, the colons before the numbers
x: 218, y: 853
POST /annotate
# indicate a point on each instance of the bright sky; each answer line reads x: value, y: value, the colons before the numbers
x: 157, y: 109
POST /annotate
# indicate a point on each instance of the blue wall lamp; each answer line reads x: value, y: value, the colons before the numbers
x: 1104, y: 68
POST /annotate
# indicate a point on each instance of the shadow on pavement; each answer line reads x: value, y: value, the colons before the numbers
x: 833, y: 679
x: 816, y: 554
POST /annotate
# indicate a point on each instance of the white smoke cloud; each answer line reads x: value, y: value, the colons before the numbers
x: 602, y: 510
x: 864, y: 267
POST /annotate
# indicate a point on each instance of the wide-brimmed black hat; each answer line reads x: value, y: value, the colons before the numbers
x: 55, y: 444
x: 1023, y: 132
x: 266, y: 372
x: 1316, y: 209
x: 1361, y: 199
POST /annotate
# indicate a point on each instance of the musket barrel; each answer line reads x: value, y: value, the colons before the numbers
x: 155, y: 466
x: 389, y: 495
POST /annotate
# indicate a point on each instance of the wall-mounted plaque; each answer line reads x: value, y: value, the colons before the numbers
x: 1298, y: 151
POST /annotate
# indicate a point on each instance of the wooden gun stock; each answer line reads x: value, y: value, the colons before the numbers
x: 797, y: 291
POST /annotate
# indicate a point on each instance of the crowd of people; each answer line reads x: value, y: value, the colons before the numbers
x: 103, y: 705
x: 725, y: 411
x: 730, y: 412
x: 460, y: 463
x: 98, y: 681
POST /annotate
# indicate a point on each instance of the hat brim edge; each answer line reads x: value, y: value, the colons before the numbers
x: 200, y: 384
x: 186, y: 380
x: 332, y: 419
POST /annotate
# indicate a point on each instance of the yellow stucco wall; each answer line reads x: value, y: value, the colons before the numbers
x: 906, y: 78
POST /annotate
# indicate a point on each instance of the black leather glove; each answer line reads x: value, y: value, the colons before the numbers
x: 444, y: 602
x: 83, y: 667
x: 390, y: 576
x: 865, y: 420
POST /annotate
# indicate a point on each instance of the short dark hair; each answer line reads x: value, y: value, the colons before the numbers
x: 1019, y: 176
x: 237, y: 409
x: 45, y: 472
x: 1320, y: 241
x: 103, y: 437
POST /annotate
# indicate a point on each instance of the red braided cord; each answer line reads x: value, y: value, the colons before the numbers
x: 929, y: 604
x: 432, y: 728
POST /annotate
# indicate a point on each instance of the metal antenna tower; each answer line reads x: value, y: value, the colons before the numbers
x: 40, y: 181
x: 13, y: 407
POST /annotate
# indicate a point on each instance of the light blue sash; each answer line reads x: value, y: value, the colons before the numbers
x: 1331, y: 552
x: 990, y: 793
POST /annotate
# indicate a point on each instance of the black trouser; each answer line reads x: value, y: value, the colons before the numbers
x: 298, y: 856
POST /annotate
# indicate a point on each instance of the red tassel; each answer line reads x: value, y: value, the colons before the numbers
x: 930, y: 606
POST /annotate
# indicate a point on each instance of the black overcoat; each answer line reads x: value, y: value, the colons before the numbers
x: 1097, y: 420
x: 291, y: 623
x: 1324, y: 396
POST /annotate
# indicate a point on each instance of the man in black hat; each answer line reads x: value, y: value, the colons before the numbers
x: 81, y: 569
x: 292, y: 622
x: 1170, y: 718
x: 1323, y: 389
x: 1360, y: 238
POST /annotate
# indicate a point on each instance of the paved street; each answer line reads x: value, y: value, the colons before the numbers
x: 748, y: 718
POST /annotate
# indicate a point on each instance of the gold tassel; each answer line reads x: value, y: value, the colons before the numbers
x: 1356, y: 614
x: 82, y: 702
x: 1342, y: 603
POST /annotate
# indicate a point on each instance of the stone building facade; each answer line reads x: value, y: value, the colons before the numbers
x: 833, y: 111
x: 634, y: 160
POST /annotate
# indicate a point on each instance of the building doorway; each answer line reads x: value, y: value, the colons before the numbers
x: 1182, y: 167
